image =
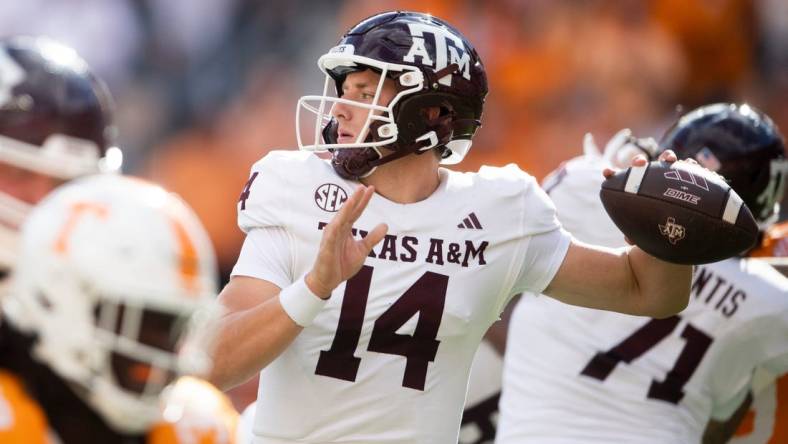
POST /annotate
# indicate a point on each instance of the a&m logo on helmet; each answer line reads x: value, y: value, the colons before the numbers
x: 449, y: 48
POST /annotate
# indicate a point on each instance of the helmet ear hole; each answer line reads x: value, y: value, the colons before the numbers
x: 420, y: 114
x: 433, y: 112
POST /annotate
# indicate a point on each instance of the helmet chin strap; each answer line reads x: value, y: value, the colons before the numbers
x: 357, y: 163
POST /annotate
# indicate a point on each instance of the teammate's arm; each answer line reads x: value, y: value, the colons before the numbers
x: 720, y: 432
x: 256, y: 328
x: 624, y: 280
x: 496, y: 334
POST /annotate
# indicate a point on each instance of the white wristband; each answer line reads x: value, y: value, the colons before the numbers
x: 300, y: 303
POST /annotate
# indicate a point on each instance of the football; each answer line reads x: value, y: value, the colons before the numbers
x: 679, y: 212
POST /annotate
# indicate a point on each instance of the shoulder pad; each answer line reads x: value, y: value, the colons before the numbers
x: 264, y: 195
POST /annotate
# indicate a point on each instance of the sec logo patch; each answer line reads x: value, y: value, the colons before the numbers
x: 330, y: 197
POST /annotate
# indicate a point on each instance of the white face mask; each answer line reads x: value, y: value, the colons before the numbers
x: 308, y: 131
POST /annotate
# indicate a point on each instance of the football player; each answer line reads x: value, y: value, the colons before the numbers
x: 481, y: 413
x: 367, y: 281
x: 574, y: 374
x: 109, y: 272
x: 56, y: 125
x: 766, y: 421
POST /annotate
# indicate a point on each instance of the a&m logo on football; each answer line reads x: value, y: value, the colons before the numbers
x: 673, y: 231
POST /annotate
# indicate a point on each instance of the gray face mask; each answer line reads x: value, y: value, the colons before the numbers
x: 12, y: 213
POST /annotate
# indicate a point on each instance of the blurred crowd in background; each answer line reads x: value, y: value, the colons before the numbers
x: 203, y: 89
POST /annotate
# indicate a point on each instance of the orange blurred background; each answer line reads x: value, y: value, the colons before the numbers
x: 203, y: 89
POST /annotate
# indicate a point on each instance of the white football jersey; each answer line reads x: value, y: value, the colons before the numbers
x: 577, y: 375
x: 387, y: 359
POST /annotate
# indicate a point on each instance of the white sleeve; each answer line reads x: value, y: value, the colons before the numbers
x: 775, y: 347
x: 760, y: 342
x: 266, y: 255
x: 544, y: 254
x: 263, y: 201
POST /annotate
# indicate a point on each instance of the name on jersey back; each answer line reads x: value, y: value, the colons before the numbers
x: 717, y: 292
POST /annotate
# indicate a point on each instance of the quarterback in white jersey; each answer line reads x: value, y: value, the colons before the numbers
x: 574, y: 374
x: 432, y: 267
x: 366, y: 282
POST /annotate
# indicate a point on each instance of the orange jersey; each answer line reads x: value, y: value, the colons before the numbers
x: 775, y: 242
x: 22, y: 421
x: 198, y: 414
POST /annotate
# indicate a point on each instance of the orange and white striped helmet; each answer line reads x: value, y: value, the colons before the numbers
x: 110, y: 273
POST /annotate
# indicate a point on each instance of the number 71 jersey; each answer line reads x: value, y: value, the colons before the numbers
x: 577, y: 375
x: 574, y: 374
x: 387, y: 360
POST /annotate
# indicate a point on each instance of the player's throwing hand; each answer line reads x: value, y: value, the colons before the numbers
x: 641, y: 160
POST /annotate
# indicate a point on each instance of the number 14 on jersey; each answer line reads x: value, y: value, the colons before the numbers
x: 426, y: 297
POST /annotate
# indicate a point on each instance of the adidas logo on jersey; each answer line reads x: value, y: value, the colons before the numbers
x: 470, y: 222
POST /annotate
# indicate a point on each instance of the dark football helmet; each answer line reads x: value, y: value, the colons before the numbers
x: 431, y: 63
x: 55, y: 120
x: 740, y: 143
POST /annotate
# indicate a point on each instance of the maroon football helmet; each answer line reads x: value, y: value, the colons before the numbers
x: 432, y: 65
x: 55, y: 120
